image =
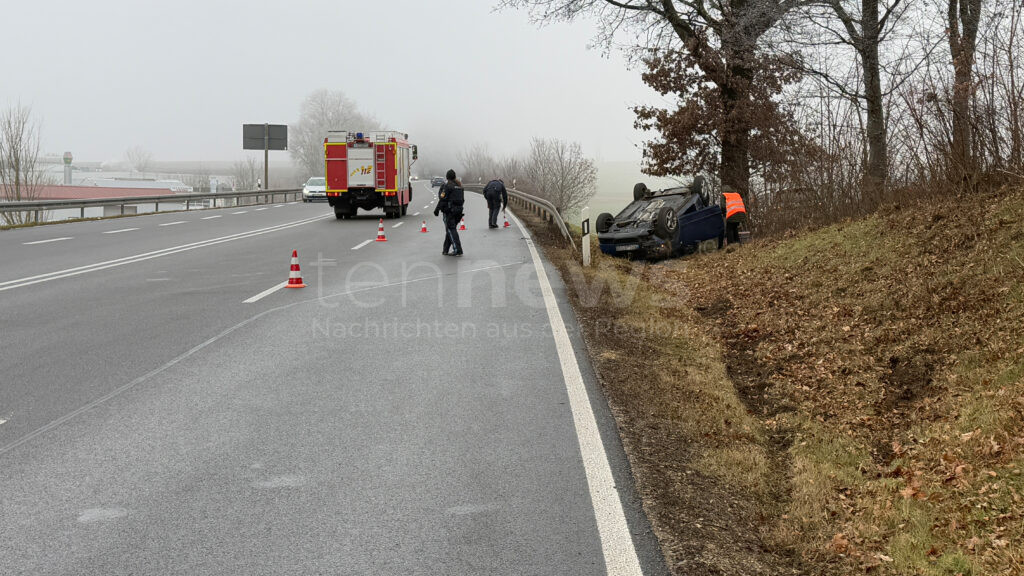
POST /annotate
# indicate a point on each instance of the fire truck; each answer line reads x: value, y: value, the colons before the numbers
x: 368, y: 170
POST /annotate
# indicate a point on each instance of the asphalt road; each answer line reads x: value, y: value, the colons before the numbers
x: 164, y: 410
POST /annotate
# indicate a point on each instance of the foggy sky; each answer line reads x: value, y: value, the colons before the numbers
x: 180, y: 78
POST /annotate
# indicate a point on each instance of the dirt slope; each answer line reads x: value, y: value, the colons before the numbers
x: 849, y: 400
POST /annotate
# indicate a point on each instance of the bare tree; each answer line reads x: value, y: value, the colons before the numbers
x: 963, y: 18
x: 558, y: 172
x: 245, y: 172
x: 477, y: 164
x: 20, y: 177
x: 139, y: 159
x: 720, y: 40
x: 321, y: 111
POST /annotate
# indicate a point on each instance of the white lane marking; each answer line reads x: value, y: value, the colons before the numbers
x: 47, y: 241
x: 416, y: 214
x: 616, y: 542
x: 211, y: 217
x: 265, y: 293
x: 278, y: 205
x: 397, y: 225
x: 119, y: 231
x: 2, y: 421
x: 30, y: 280
x: 240, y: 212
x: 199, y: 347
x: 261, y: 209
x: 173, y: 223
x: 361, y: 244
x: 427, y: 206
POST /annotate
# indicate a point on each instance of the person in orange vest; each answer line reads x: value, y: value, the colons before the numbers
x: 735, y: 213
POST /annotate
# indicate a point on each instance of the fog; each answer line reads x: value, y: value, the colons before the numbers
x: 180, y: 78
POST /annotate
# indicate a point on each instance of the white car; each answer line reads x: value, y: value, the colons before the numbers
x: 314, y: 189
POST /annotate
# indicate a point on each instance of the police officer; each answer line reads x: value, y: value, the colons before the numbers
x: 450, y: 199
x: 497, y: 200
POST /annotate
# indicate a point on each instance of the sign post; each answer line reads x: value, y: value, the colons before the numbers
x: 585, y: 214
x: 265, y: 137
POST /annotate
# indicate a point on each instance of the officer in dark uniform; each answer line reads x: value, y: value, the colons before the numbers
x: 497, y: 200
x: 450, y: 200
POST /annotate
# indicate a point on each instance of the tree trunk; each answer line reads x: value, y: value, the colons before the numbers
x: 963, y: 31
x: 734, y: 171
x: 878, y: 155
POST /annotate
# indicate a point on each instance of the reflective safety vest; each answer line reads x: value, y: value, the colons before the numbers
x: 733, y: 205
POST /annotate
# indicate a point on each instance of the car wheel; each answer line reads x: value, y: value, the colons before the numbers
x: 667, y: 223
x: 709, y: 245
x: 639, y: 191
x: 604, y: 222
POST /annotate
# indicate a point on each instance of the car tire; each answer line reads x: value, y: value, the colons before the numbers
x: 604, y: 222
x: 667, y: 223
x: 639, y: 191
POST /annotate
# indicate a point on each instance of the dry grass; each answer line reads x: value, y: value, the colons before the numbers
x: 849, y: 400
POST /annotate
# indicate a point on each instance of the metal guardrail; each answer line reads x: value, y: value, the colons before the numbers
x: 36, y: 207
x: 539, y: 206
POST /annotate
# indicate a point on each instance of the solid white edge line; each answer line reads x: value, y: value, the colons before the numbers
x: 47, y: 241
x: 361, y: 244
x: 173, y: 223
x: 119, y: 231
x: 265, y: 293
x: 620, y: 555
x: 211, y: 217
x: 397, y: 225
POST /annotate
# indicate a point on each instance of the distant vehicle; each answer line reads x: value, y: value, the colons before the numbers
x: 314, y: 189
x: 368, y: 171
x: 436, y: 181
x: 665, y: 223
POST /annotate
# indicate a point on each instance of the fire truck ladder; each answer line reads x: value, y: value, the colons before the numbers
x: 381, y: 168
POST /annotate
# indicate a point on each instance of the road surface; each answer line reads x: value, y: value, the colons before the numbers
x: 167, y: 408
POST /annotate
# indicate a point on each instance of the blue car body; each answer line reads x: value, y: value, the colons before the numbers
x: 634, y: 231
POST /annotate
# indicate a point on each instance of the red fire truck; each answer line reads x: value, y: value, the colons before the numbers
x: 368, y: 171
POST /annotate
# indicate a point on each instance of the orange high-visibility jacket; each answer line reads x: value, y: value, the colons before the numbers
x: 733, y: 205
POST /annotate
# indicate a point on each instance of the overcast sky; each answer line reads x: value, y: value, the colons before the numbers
x: 180, y: 78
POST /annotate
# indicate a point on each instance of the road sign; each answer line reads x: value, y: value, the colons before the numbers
x: 264, y: 136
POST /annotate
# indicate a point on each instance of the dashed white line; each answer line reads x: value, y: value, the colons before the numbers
x: 240, y: 212
x: 173, y: 223
x: 261, y: 209
x: 278, y: 205
x: 211, y: 217
x: 47, y: 241
x: 265, y: 293
x: 397, y: 225
x: 361, y: 244
x: 416, y: 214
x: 119, y: 231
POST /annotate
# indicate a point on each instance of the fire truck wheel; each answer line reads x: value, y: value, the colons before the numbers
x: 405, y: 210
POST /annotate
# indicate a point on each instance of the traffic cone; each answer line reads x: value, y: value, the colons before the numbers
x: 462, y: 224
x: 424, y: 227
x: 295, y: 276
x: 380, y: 232
x: 507, y: 225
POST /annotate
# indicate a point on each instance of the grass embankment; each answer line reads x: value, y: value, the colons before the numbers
x: 848, y: 400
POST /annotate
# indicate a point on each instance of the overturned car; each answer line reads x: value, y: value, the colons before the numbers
x: 664, y: 223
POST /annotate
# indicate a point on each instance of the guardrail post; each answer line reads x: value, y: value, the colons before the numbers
x: 585, y: 226
x: 83, y: 212
x: 122, y: 209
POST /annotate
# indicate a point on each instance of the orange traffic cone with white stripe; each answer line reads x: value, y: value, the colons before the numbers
x: 380, y: 232
x: 462, y: 224
x: 424, y: 227
x: 295, y: 276
x: 505, y: 216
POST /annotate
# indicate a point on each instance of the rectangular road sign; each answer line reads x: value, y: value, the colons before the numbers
x: 264, y: 136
